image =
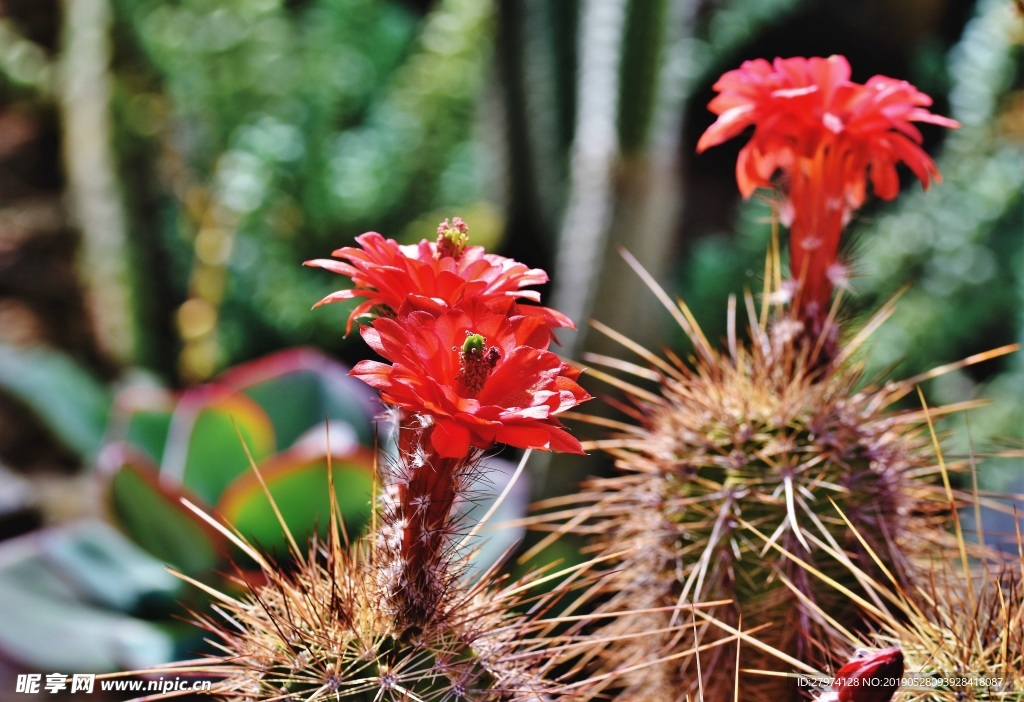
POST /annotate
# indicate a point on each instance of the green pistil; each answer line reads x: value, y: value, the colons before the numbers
x: 474, y: 343
x: 476, y: 362
x: 452, y: 238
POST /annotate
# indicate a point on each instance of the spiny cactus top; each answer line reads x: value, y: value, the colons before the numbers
x: 828, y: 136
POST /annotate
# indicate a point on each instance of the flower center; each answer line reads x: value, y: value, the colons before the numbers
x: 452, y: 238
x: 476, y: 361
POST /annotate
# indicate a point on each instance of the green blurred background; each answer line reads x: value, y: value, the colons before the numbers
x: 165, y: 167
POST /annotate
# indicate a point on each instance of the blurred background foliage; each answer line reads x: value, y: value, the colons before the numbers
x: 165, y: 167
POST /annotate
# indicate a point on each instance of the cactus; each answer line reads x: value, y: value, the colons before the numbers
x: 397, y: 615
x: 742, y: 454
x: 760, y: 439
x: 321, y: 630
x: 964, y: 644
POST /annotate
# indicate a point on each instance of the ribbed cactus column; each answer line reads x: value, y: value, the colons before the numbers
x: 737, y: 474
x: 744, y: 467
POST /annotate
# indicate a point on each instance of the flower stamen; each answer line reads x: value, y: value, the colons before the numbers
x: 452, y: 238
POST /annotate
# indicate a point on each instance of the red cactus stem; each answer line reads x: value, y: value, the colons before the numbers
x: 426, y: 504
x: 815, y: 231
x: 416, y: 567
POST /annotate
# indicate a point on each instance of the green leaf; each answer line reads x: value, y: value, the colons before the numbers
x: 141, y: 417
x: 210, y: 430
x: 110, y: 570
x: 300, y: 388
x: 298, y: 482
x: 66, y: 397
x: 148, y: 431
x: 150, y: 512
x: 72, y: 636
x: 55, y: 587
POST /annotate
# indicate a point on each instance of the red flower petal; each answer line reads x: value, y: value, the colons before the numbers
x: 450, y: 439
x: 385, y: 274
x: 518, y: 402
x: 873, y: 678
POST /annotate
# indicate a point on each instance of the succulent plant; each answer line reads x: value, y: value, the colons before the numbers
x: 149, y: 449
x: 399, y: 614
x: 741, y: 450
x: 82, y: 597
x: 290, y: 412
x: 740, y: 454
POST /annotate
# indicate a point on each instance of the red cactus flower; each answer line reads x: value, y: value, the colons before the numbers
x: 468, y: 367
x: 384, y: 273
x: 828, y: 136
x: 480, y: 370
x: 871, y: 678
